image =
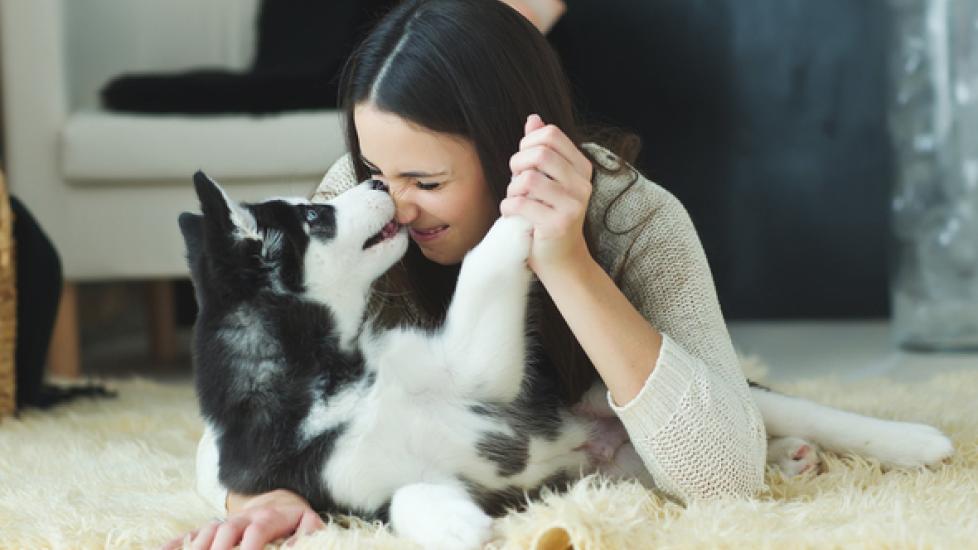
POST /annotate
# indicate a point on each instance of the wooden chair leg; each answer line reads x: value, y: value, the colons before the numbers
x: 162, y: 321
x: 64, y: 355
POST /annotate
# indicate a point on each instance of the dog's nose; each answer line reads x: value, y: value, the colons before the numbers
x: 378, y: 185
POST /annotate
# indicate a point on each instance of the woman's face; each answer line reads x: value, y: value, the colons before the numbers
x: 436, y: 181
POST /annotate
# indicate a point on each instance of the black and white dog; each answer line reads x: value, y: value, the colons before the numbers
x: 429, y: 430
x: 433, y: 431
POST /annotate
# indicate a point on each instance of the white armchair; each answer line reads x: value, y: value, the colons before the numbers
x: 108, y: 187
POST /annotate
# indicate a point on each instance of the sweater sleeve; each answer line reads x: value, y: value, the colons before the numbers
x: 694, y: 422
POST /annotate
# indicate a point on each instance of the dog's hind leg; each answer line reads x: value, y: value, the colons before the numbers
x: 895, y: 444
x: 439, y: 516
x: 793, y: 455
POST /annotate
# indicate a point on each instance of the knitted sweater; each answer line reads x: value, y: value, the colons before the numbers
x: 694, y: 422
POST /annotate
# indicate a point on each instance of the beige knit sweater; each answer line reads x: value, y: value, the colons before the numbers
x: 694, y: 423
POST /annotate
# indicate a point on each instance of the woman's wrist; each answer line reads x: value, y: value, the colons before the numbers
x: 623, y: 346
x: 235, y: 502
x: 579, y: 266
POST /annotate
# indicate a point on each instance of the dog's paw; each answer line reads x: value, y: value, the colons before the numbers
x: 507, y: 243
x: 440, y: 518
x: 792, y: 455
x: 458, y: 525
x: 910, y: 445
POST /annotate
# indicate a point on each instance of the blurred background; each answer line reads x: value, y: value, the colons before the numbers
x: 769, y: 119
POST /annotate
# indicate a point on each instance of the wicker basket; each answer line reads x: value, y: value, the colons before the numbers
x: 8, y: 304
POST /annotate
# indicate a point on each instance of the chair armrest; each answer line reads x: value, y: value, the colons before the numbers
x: 35, y: 101
x: 34, y: 75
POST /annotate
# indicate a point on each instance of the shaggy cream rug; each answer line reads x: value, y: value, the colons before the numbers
x: 119, y: 474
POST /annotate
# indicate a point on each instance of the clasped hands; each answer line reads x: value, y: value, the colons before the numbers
x: 551, y: 188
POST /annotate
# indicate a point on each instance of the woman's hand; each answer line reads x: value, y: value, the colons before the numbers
x: 551, y: 187
x: 542, y: 13
x: 262, y: 519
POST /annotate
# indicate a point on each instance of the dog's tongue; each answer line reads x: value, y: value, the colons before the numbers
x: 390, y: 229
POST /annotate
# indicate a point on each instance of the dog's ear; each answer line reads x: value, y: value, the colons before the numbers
x: 221, y: 212
x: 192, y: 227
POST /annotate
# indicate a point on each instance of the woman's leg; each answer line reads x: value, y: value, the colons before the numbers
x: 38, y: 293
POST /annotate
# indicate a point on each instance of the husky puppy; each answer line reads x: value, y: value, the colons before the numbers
x: 432, y: 431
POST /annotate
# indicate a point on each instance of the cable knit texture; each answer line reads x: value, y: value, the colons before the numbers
x: 694, y: 423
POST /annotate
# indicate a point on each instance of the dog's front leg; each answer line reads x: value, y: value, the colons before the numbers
x: 439, y: 516
x: 484, y: 336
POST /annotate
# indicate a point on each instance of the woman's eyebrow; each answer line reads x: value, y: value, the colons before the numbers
x: 412, y: 174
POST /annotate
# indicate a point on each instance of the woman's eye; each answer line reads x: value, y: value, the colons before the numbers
x: 428, y: 186
x: 311, y: 215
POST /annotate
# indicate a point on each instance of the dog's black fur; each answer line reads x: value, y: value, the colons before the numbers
x: 259, y: 418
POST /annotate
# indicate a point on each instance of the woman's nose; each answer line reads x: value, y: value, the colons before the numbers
x: 406, y: 211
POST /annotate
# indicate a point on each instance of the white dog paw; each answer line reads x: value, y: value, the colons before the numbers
x: 792, y: 455
x: 910, y: 445
x: 507, y: 242
x: 461, y: 526
x: 440, y: 518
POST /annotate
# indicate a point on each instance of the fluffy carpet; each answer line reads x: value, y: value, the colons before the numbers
x: 119, y: 474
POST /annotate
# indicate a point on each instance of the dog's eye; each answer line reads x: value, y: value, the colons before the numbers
x: 311, y: 215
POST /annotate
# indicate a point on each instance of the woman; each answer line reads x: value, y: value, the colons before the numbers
x: 462, y: 111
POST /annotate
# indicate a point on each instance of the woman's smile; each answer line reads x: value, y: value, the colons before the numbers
x: 427, y: 235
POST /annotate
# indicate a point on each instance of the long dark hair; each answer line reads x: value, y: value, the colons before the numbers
x: 476, y: 69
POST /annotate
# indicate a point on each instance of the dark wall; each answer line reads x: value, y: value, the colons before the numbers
x: 766, y: 118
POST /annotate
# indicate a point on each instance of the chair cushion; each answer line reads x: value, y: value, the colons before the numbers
x: 101, y: 147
